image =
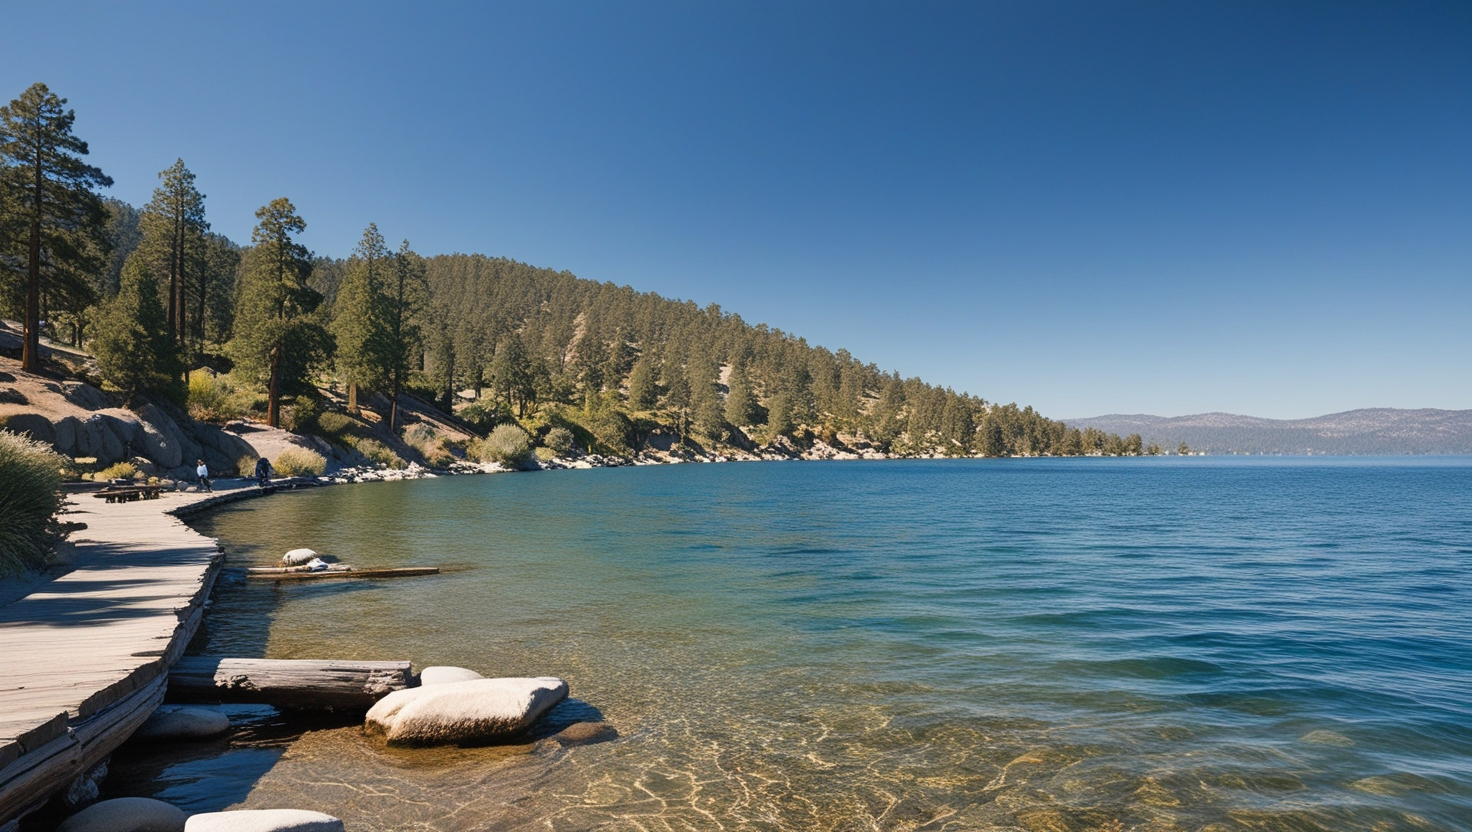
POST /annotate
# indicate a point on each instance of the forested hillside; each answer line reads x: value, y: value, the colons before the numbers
x: 267, y: 329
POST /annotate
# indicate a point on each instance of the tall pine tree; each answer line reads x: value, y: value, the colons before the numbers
x: 54, y: 217
x: 278, y: 340
x: 360, y: 317
x: 173, y: 226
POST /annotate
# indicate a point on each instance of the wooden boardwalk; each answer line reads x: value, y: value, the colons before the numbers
x: 87, y: 655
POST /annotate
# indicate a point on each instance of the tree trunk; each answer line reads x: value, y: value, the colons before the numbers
x: 393, y: 412
x: 30, y: 357
x: 353, y: 398
x: 273, y: 401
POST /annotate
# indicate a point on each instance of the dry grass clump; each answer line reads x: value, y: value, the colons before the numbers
x: 299, y: 462
x: 379, y: 453
x: 118, y: 471
x: 30, y: 496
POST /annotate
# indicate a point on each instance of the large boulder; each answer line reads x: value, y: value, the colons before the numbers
x: 162, y: 439
x: 37, y: 426
x: 126, y: 427
x: 474, y: 712
x: 263, y: 820
x: 66, y: 436
x: 183, y: 722
x: 96, y: 439
x: 221, y: 449
x: 127, y: 814
x: 446, y: 675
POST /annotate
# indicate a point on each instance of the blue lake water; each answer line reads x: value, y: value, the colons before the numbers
x: 1013, y: 644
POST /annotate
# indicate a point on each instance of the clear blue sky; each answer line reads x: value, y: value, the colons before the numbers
x: 1170, y: 207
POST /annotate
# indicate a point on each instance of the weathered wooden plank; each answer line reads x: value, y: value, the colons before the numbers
x: 30, y: 781
x: 87, y: 654
x: 398, y: 572
x: 288, y: 683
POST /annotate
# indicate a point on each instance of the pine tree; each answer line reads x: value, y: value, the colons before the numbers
x: 406, y: 297
x: 360, y: 317
x: 511, y: 373
x: 173, y: 226
x: 50, y: 205
x: 278, y: 339
x: 132, y: 344
x: 643, y: 392
x: 740, y: 403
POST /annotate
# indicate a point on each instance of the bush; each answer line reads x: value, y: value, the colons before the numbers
x: 299, y: 462
x: 560, y: 441
x: 333, y: 424
x: 246, y: 465
x: 379, y: 453
x: 210, y: 399
x: 118, y: 471
x: 486, y: 415
x: 301, y: 415
x: 30, y: 496
x: 507, y: 444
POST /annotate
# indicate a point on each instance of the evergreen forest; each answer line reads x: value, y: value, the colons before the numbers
x: 268, y: 330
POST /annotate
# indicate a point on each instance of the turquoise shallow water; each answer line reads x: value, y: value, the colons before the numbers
x: 1034, y: 644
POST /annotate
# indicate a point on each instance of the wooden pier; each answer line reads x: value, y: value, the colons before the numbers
x: 87, y: 655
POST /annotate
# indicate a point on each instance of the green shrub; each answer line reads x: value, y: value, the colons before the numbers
x: 30, y: 496
x: 612, y: 429
x: 486, y: 415
x: 301, y: 415
x: 299, y: 462
x: 379, y: 453
x: 507, y: 444
x: 333, y: 424
x: 210, y: 398
x: 560, y: 441
x: 118, y: 471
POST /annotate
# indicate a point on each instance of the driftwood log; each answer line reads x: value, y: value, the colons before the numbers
x: 300, y: 684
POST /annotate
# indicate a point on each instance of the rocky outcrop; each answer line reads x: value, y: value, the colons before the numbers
x: 476, y: 712
x: 126, y: 814
x: 163, y: 441
x: 263, y: 820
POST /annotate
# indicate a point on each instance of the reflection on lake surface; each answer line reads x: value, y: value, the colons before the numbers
x: 1033, y: 644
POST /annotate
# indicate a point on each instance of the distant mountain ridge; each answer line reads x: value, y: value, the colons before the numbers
x: 1376, y: 431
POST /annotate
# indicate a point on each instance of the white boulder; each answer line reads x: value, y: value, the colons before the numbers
x: 126, y: 814
x: 474, y: 712
x: 263, y: 820
x: 183, y: 722
x: 297, y: 557
x: 444, y: 675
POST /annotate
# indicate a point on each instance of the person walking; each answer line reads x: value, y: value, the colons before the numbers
x: 263, y: 471
x: 203, y: 472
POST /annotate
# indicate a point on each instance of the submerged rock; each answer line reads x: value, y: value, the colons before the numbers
x: 126, y: 814
x: 444, y: 675
x: 476, y: 712
x: 263, y: 820
x: 585, y: 733
x: 183, y: 722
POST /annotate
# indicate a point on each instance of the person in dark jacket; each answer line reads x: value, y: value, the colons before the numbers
x: 263, y: 471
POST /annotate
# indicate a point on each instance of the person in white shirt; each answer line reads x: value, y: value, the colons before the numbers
x: 204, y: 476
